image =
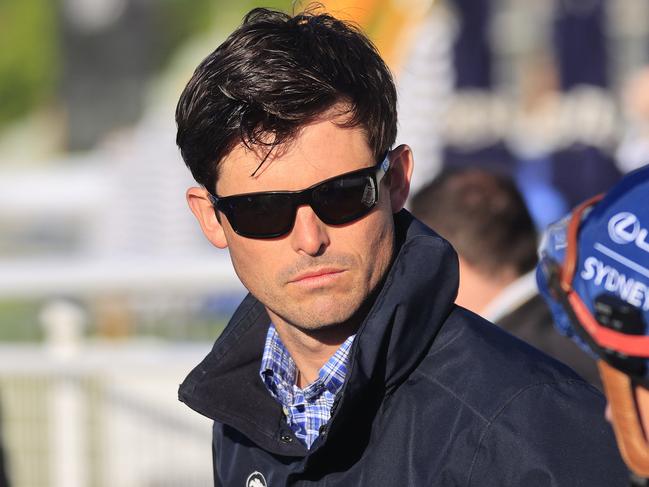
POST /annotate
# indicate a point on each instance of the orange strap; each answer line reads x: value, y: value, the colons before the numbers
x: 631, y: 439
x: 633, y: 345
x: 572, y: 247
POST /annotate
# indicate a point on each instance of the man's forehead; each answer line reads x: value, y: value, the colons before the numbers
x: 320, y: 150
x: 253, y: 160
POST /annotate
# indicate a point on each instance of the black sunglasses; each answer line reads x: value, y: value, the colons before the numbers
x: 338, y: 200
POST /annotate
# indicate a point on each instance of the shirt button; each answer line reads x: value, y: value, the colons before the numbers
x: 286, y: 438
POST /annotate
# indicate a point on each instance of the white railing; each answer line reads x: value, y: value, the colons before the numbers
x: 99, y: 414
x: 79, y: 413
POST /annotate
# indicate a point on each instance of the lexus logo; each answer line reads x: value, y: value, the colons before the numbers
x: 256, y: 479
x: 624, y: 228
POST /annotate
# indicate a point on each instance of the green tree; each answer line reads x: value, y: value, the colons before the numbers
x: 29, y: 57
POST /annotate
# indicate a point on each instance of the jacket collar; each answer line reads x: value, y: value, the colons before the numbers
x: 415, y: 299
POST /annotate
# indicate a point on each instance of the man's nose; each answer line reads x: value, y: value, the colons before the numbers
x: 309, y: 235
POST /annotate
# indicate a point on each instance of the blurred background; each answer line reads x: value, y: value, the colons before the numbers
x: 109, y: 294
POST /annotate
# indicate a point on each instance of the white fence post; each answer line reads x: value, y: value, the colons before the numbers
x: 63, y: 323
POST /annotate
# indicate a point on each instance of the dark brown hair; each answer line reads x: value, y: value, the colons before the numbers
x: 273, y: 75
x: 483, y: 215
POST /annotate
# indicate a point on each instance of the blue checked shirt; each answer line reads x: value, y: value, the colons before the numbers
x: 307, y: 409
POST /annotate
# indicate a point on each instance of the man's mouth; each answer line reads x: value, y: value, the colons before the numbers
x: 317, y: 277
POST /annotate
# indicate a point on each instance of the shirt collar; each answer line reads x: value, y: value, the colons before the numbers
x: 511, y: 297
x: 279, y: 373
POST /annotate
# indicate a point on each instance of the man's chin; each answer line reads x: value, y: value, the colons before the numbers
x: 321, y: 322
x: 320, y: 318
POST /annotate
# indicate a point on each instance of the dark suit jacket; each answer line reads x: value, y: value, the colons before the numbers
x: 532, y: 322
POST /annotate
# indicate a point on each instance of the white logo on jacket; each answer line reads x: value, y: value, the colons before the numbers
x: 256, y: 479
x: 624, y: 228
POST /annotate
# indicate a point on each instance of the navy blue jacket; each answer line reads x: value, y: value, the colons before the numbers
x: 435, y: 396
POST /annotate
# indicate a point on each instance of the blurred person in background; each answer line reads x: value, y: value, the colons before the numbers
x: 555, y: 136
x: 594, y: 273
x: 349, y: 363
x: 483, y: 215
x: 633, y: 151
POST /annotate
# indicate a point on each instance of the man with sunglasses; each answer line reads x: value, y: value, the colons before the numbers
x: 348, y: 364
x: 594, y: 273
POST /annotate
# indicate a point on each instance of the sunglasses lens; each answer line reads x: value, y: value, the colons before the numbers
x: 336, y: 201
x: 260, y: 216
x: 345, y: 199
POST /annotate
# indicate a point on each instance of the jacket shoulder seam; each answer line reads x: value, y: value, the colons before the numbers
x: 452, y: 393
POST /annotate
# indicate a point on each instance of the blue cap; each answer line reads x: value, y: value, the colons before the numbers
x: 612, y: 260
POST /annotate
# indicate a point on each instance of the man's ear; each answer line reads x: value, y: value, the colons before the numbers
x: 203, y: 210
x: 401, y: 166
